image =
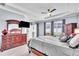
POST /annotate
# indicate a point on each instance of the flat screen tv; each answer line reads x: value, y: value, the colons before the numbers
x: 24, y: 24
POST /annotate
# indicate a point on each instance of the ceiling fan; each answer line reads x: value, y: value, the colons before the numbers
x: 49, y: 11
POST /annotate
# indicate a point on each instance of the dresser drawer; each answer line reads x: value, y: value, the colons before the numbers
x: 13, y: 40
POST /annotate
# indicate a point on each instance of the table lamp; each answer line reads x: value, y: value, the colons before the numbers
x: 76, y: 31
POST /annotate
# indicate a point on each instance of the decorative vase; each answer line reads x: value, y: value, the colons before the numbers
x: 4, y: 31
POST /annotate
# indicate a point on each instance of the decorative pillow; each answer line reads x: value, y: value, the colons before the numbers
x: 74, y: 42
x: 64, y: 38
x: 72, y: 35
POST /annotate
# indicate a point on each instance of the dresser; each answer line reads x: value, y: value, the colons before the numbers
x: 13, y: 40
x: 69, y: 28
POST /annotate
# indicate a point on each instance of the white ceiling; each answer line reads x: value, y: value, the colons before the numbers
x: 33, y: 10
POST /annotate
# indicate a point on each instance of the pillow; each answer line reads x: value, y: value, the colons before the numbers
x: 64, y: 38
x: 72, y: 35
x: 74, y: 42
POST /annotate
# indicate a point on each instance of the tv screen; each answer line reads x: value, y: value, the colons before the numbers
x: 24, y: 24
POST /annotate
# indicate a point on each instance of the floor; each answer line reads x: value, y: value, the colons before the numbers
x: 17, y: 51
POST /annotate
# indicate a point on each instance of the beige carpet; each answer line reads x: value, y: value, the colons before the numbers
x: 17, y: 51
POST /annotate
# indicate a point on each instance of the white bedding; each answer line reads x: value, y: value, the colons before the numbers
x: 53, y: 47
x: 52, y: 40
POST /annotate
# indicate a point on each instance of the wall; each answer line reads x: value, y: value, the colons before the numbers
x: 73, y: 19
x: 6, y: 15
x: 2, y: 25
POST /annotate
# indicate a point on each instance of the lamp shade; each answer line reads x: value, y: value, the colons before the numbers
x: 77, y: 30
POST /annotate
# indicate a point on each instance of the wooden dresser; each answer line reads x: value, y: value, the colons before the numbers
x: 13, y: 40
x: 69, y: 28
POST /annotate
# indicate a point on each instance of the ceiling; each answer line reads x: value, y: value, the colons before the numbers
x: 33, y: 10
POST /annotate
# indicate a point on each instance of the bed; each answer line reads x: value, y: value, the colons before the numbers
x: 51, y: 46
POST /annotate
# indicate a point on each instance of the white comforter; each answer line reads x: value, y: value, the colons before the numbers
x: 52, y: 46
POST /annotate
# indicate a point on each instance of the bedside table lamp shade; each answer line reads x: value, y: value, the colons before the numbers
x: 77, y: 31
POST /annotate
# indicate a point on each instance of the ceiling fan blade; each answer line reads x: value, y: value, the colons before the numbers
x: 3, y: 4
x: 52, y: 10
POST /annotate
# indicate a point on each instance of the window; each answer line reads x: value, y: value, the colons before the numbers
x: 58, y: 25
x: 48, y: 27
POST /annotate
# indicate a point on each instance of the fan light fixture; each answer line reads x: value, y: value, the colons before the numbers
x: 49, y: 14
